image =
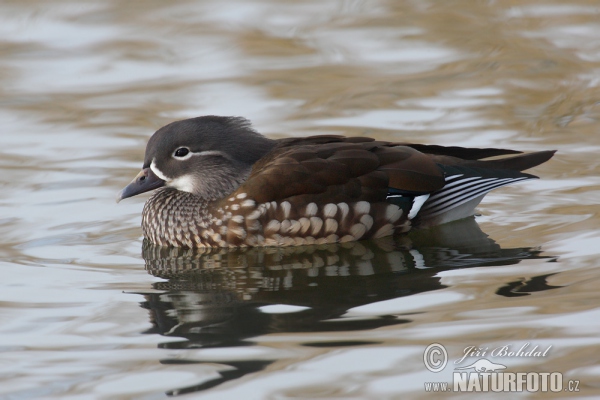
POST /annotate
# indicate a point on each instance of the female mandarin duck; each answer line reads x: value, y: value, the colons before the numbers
x: 222, y: 184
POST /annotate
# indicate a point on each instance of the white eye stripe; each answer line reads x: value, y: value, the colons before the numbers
x: 201, y: 153
x: 210, y: 153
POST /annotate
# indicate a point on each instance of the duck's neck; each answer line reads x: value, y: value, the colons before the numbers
x: 176, y: 218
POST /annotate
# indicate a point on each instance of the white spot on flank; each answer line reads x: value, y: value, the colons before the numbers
x: 252, y: 225
x: 358, y: 230
x: 286, y: 209
x: 362, y: 207
x: 344, y: 209
x: 347, y: 238
x: 329, y: 210
x: 254, y: 214
x: 237, y: 219
x: 248, y: 203
x: 311, y: 209
x: 273, y: 226
x: 242, y: 196
x: 367, y: 221
x: 393, y: 213
x: 331, y: 225
x: 317, y: 224
x: 285, y: 226
x: 385, y: 230
x: 305, y: 224
x: 238, y: 231
x: 235, y: 207
x: 332, y: 238
x: 295, y: 227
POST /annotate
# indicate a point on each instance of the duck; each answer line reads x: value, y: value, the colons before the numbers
x: 217, y: 182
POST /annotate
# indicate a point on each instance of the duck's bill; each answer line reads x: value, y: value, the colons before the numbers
x: 143, y: 182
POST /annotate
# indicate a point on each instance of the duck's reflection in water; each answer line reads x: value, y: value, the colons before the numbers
x: 221, y: 297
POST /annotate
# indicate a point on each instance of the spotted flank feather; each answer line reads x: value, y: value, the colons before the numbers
x: 241, y: 223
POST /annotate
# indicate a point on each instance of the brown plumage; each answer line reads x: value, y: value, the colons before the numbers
x: 229, y: 186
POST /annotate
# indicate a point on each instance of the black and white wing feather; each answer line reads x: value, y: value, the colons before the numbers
x: 465, y: 187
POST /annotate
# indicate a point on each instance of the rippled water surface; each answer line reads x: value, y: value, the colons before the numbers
x: 89, y: 311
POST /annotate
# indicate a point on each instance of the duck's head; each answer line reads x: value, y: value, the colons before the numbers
x: 208, y: 156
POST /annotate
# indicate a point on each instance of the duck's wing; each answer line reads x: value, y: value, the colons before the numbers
x: 336, y: 169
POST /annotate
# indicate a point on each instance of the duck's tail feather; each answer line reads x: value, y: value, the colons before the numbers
x: 469, y: 181
x: 520, y: 162
x: 464, y: 153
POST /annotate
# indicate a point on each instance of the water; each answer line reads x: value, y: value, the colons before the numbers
x: 90, y: 312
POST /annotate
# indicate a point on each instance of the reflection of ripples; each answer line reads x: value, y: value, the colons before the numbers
x: 219, y: 297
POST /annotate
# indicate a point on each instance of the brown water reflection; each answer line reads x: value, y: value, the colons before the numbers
x: 84, y: 84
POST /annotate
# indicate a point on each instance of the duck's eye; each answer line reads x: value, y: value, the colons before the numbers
x: 181, y: 152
